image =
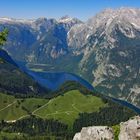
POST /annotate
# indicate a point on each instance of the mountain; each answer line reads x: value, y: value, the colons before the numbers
x: 104, y: 50
x: 37, y: 40
x: 16, y: 82
x: 111, y: 52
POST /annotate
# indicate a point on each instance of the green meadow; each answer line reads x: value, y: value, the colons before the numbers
x: 65, y: 108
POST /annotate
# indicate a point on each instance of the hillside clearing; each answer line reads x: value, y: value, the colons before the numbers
x: 66, y: 108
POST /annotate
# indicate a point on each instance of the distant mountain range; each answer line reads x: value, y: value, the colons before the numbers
x: 38, y: 38
x: 105, y: 50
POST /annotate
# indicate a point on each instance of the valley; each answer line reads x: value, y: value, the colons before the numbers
x: 104, y: 50
x: 64, y: 78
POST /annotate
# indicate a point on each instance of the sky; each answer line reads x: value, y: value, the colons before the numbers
x: 82, y: 9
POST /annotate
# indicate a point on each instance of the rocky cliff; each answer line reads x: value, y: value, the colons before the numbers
x: 95, y: 133
x: 129, y: 130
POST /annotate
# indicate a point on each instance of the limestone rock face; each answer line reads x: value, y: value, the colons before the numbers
x: 95, y: 133
x: 130, y: 130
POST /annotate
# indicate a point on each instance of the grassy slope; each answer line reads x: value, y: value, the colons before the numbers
x: 67, y: 107
x: 9, y: 136
x: 20, y: 136
x: 64, y: 108
x: 12, y: 108
x: 33, y: 103
x: 5, y: 100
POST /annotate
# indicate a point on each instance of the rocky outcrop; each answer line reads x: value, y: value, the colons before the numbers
x: 95, y: 133
x: 130, y: 130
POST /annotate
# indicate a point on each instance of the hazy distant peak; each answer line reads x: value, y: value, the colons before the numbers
x: 13, y: 20
x: 42, y: 18
x: 65, y: 19
x: 123, y: 11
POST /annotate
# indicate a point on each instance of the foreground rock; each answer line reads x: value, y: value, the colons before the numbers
x: 130, y: 130
x: 95, y: 133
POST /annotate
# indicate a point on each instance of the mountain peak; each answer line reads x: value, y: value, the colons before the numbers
x: 123, y: 14
x: 41, y: 19
x: 123, y: 11
x: 65, y: 19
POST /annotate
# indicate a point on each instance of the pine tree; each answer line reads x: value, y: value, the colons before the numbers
x: 3, y: 36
